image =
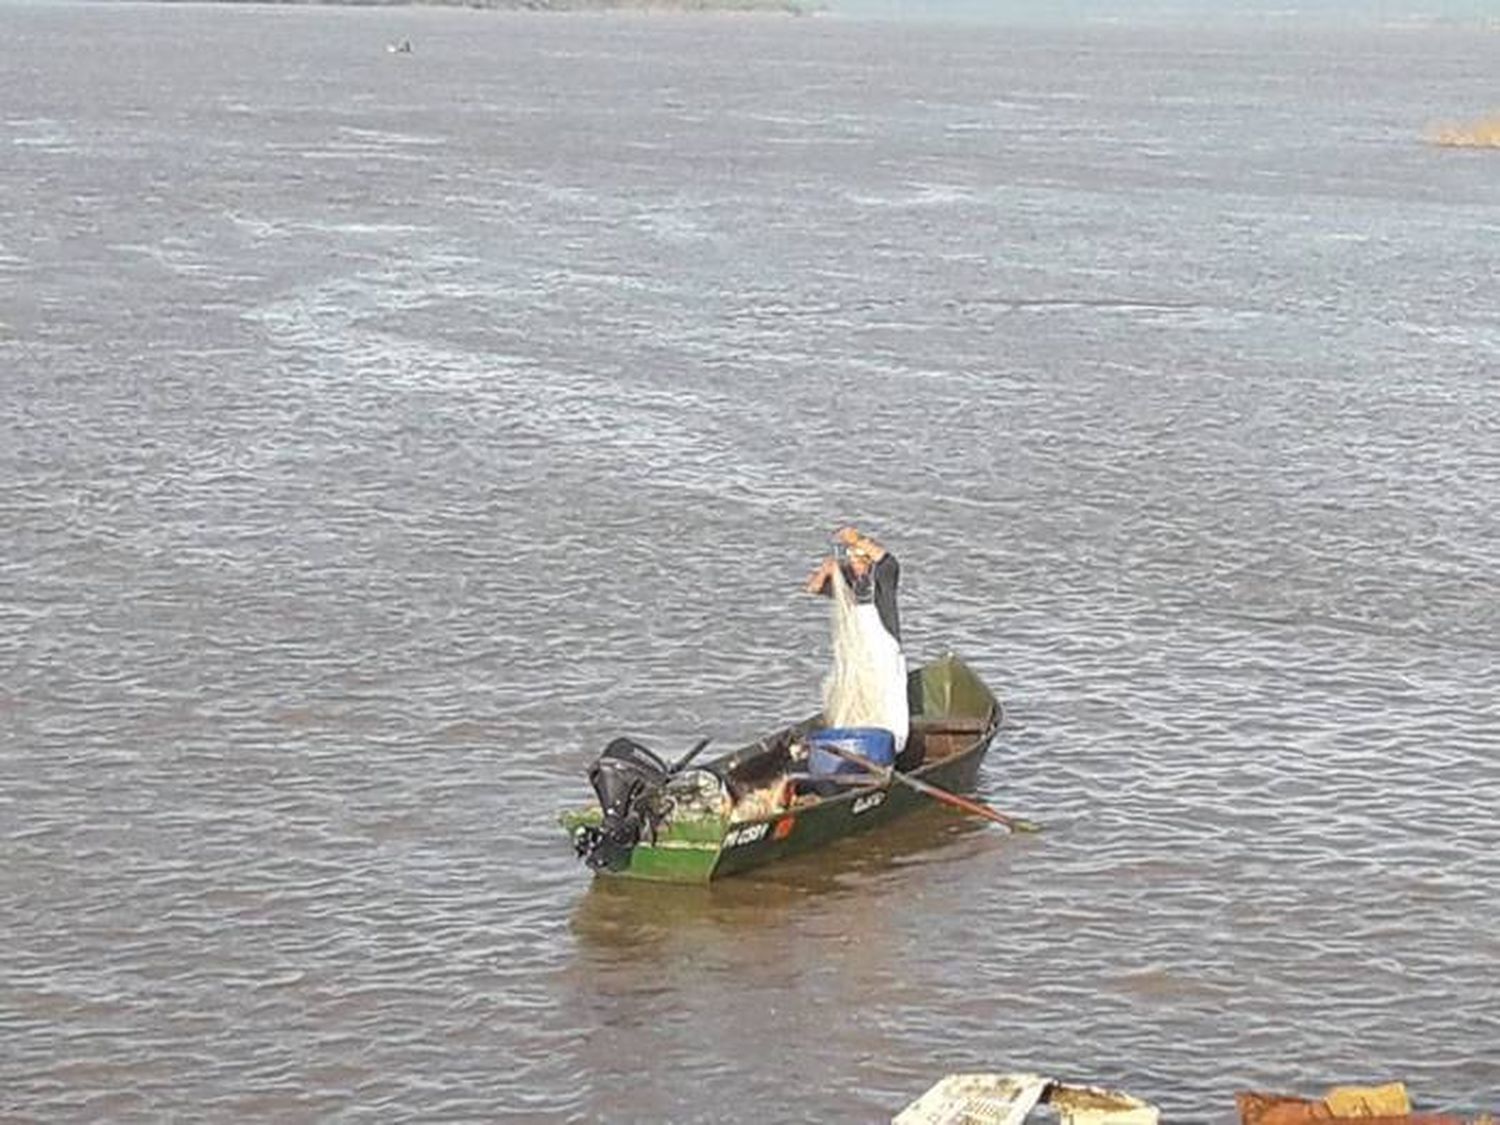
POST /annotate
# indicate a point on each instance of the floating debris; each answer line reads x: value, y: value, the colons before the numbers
x: 1008, y: 1099
x: 1479, y: 134
x: 1387, y: 1104
x: 1015, y: 1099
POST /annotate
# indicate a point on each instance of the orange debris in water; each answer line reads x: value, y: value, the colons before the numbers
x: 1484, y: 133
x: 1368, y: 1105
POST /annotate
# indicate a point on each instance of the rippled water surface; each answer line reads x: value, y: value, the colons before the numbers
x: 380, y: 434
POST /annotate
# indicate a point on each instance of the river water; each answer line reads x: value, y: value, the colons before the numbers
x: 382, y: 433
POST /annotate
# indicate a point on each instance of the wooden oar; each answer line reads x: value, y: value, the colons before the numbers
x: 846, y: 780
x: 977, y: 808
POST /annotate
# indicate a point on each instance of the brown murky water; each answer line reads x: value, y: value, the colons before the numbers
x: 379, y: 434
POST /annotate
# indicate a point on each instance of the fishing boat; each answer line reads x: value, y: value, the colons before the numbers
x: 752, y: 806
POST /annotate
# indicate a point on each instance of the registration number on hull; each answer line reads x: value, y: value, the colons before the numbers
x: 869, y: 801
x: 746, y: 835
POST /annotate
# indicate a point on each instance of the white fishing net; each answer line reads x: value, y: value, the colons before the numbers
x: 866, y: 687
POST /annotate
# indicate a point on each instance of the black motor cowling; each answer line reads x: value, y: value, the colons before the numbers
x: 628, y: 779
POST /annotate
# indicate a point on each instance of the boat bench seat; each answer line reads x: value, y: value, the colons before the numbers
x: 950, y: 723
x: 942, y: 737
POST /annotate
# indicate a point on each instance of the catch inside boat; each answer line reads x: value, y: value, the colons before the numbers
x: 695, y: 823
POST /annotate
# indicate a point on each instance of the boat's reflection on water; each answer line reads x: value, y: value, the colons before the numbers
x: 716, y: 977
x: 627, y: 917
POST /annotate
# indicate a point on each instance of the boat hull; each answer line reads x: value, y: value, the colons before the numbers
x: 803, y: 830
x: 951, y: 709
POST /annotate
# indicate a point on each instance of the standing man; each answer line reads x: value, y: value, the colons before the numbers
x: 867, y: 686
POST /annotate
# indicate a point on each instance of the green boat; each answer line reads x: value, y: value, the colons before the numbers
x: 695, y: 825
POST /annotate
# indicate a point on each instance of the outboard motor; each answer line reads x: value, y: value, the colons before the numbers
x: 629, y: 780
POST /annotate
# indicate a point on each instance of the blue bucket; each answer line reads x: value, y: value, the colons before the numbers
x: 875, y: 744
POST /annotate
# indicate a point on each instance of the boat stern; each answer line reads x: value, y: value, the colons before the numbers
x: 685, y: 851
